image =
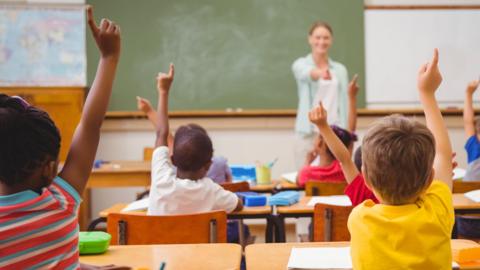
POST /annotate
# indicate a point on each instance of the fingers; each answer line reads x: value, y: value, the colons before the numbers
x: 435, y: 58
x: 112, y: 27
x: 104, y: 24
x: 354, y: 79
x: 91, y: 20
x: 423, y: 68
x: 171, y: 71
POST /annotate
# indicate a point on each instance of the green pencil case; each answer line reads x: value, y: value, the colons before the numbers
x: 93, y: 242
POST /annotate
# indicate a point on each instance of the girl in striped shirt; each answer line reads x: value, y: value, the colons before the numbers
x: 38, y: 208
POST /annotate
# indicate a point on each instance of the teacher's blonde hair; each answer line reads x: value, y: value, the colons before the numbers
x: 317, y: 24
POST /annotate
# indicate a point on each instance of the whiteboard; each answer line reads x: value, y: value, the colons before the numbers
x: 399, y: 41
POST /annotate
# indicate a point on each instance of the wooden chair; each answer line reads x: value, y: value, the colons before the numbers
x: 236, y: 187
x: 147, y: 153
x: 315, y: 188
x: 135, y: 229
x: 465, y: 186
x: 330, y: 223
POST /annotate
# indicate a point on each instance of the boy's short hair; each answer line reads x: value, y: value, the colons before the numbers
x: 477, y: 124
x: 28, y: 138
x: 192, y: 148
x: 398, y: 155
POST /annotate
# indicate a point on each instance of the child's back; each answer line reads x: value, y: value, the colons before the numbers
x: 38, y: 209
x: 187, y: 190
x: 411, y: 226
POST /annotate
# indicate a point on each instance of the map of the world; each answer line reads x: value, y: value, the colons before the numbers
x: 42, y: 46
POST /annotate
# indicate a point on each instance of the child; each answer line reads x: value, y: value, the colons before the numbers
x: 38, y: 221
x: 320, y: 163
x: 219, y: 171
x: 472, y: 130
x: 188, y: 190
x: 411, y: 226
x: 356, y: 190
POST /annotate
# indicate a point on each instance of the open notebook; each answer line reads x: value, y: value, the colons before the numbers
x: 320, y: 258
x: 137, y: 205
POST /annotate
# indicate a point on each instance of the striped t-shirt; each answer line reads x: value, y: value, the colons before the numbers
x: 40, y: 231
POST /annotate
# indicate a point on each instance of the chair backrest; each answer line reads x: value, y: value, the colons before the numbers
x: 465, y: 186
x: 236, y: 187
x: 147, y: 153
x: 139, y: 229
x: 330, y: 223
x: 316, y: 188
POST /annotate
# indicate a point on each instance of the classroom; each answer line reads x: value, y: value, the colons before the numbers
x: 253, y: 134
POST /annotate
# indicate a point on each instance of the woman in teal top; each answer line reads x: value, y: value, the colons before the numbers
x: 319, y: 78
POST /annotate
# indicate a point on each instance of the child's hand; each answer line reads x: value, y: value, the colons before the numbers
x: 318, y: 116
x: 472, y: 86
x: 107, y: 36
x: 164, y: 81
x: 144, y: 105
x: 353, y: 87
x: 429, y: 77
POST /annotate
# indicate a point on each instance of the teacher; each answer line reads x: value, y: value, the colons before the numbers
x: 319, y: 78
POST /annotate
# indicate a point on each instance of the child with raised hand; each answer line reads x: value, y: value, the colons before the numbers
x: 38, y: 221
x: 320, y: 163
x: 472, y: 131
x: 408, y: 167
x: 187, y: 190
x: 219, y: 171
x: 356, y: 190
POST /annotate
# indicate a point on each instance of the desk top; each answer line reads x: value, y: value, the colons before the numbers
x: 123, y: 166
x: 191, y: 256
x: 275, y: 256
x: 460, y: 202
x: 257, y: 210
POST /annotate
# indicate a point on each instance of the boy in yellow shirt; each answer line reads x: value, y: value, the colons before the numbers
x: 408, y: 167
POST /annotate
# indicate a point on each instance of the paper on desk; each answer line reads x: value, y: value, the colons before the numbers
x: 458, y: 173
x: 473, y: 195
x: 137, y: 205
x: 290, y: 177
x: 341, y: 200
x: 320, y: 258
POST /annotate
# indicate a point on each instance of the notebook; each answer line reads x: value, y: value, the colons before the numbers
x: 341, y: 200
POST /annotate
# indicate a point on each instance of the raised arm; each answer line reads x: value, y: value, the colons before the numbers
x: 429, y: 78
x: 81, y: 155
x: 468, y: 113
x: 164, y: 81
x: 318, y: 116
x: 352, y: 104
x: 145, y: 106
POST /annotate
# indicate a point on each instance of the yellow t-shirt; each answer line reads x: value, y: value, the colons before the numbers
x: 413, y: 236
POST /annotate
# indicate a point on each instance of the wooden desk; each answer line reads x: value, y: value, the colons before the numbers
x: 251, y: 212
x: 195, y: 256
x: 461, y: 204
x: 275, y: 256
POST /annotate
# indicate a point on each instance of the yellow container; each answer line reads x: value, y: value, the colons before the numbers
x: 264, y: 176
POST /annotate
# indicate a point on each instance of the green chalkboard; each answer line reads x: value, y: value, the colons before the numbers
x: 227, y: 53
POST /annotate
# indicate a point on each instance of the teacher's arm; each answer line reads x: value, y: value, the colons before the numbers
x: 302, y: 71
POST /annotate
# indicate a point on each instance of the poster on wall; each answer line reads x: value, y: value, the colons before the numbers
x: 42, y: 46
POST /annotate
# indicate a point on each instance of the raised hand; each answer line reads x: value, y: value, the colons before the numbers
x: 429, y: 77
x: 107, y: 36
x: 318, y: 116
x: 472, y: 86
x: 144, y: 105
x: 164, y: 81
x: 353, y: 87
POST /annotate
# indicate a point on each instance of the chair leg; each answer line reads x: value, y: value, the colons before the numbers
x: 328, y: 225
x: 213, y: 231
x: 122, y: 232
